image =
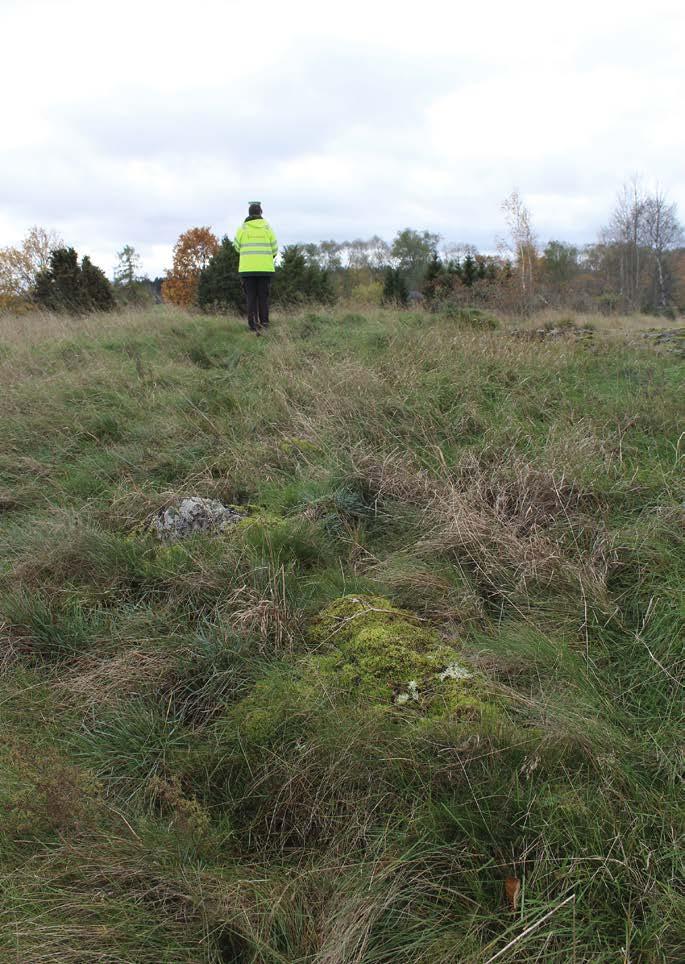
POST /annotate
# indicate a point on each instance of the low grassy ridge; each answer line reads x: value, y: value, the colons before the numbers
x: 423, y: 704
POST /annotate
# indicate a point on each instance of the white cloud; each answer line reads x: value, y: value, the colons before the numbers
x: 130, y: 122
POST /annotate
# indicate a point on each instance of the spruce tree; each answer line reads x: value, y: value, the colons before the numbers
x: 95, y: 290
x: 291, y: 276
x: 319, y: 285
x: 219, y: 286
x: 297, y: 282
x: 388, y: 296
x: 401, y: 289
x: 431, y: 283
x: 395, y: 291
x: 68, y: 286
x: 469, y: 270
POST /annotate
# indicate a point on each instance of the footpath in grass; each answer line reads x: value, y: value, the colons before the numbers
x: 422, y: 702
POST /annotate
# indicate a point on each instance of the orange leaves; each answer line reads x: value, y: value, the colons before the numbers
x: 192, y: 253
x: 179, y: 290
x: 512, y: 891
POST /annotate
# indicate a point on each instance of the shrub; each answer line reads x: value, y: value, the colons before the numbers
x: 368, y: 293
x: 219, y: 286
x: 296, y: 281
x: 470, y: 317
x: 395, y: 291
x: 68, y: 286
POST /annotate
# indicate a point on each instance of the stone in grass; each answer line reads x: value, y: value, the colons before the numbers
x: 671, y: 340
x: 192, y: 515
x: 380, y: 649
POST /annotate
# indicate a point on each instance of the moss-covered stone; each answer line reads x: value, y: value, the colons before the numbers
x: 299, y: 446
x: 383, y: 648
x: 366, y: 652
x: 381, y: 653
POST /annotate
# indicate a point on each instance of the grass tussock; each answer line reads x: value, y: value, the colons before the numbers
x: 423, y: 703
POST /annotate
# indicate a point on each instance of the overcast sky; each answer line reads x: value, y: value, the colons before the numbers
x: 128, y: 122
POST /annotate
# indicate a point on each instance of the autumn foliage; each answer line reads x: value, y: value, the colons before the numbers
x: 20, y: 266
x: 192, y: 252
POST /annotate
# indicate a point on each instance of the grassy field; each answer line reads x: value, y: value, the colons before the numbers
x: 424, y: 704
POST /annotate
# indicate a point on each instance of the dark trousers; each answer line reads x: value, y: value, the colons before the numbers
x: 256, y: 288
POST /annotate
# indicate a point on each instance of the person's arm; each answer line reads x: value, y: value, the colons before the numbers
x: 238, y: 239
x: 274, y: 242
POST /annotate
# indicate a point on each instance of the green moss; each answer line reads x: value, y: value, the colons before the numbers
x: 467, y: 700
x: 381, y: 645
x: 366, y: 652
x: 279, y: 702
x: 384, y: 654
x: 258, y: 519
x: 299, y: 446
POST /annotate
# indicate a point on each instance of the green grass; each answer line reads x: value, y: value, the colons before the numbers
x: 203, y: 756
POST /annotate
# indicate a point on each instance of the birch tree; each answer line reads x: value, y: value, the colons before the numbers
x: 522, y: 244
x: 642, y: 232
x: 20, y: 267
x: 625, y: 233
x: 662, y: 233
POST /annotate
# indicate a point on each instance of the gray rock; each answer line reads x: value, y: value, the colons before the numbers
x: 192, y: 515
x: 671, y: 340
x: 566, y: 331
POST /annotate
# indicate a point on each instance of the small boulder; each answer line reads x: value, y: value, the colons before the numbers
x: 670, y: 340
x: 192, y: 515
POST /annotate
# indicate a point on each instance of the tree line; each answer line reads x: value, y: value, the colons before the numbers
x: 636, y: 264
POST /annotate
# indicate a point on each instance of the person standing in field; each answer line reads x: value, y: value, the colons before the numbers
x: 256, y: 244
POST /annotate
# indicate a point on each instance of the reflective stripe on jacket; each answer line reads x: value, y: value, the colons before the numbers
x: 256, y: 244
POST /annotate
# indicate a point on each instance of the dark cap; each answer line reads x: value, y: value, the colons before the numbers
x: 255, y: 209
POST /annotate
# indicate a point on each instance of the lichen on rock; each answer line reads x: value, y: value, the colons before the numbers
x: 192, y: 515
x: 455, y: 671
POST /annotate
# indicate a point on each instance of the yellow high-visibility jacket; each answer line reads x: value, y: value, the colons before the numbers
x: 256, y: 244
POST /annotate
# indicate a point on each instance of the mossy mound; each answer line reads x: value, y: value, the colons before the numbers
x: 299, y: 446
x: 367, y: 653
x: 388, y: 655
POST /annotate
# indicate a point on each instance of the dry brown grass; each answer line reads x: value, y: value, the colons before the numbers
x: 36, y: 327
x: 11, y: 647
x: 265, y: 613
x: 513, y: 522
x: 94, y: 680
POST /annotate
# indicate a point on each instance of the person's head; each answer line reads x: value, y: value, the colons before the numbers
x: 255, y: 209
